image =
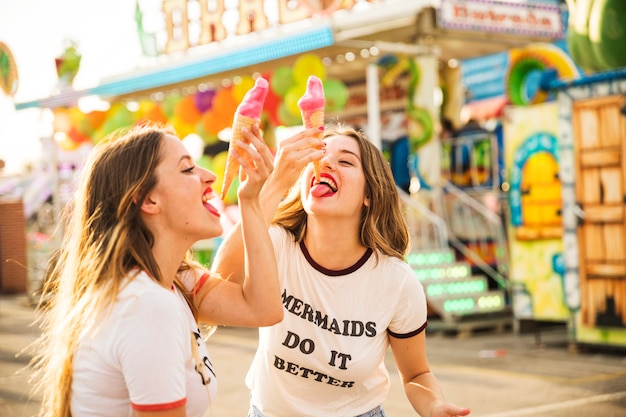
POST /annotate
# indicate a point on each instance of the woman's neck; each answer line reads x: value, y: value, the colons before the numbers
x: 169, y: 260
x: 333, y: 245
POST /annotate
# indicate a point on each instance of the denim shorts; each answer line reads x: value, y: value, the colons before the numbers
x: 376, y: 412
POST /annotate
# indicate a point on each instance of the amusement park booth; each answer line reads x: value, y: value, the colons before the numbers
x: 378, y: 59
x: 592, y: 161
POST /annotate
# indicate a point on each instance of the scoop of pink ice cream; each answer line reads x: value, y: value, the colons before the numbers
x: 252, y: 103
x: 313, y: 98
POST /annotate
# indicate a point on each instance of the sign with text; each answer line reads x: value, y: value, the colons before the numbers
x: 197, y: 22
x: 526, y: 19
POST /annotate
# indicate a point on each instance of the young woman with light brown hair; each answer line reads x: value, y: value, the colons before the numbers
x: 347, y: 292
x: 120, y: 328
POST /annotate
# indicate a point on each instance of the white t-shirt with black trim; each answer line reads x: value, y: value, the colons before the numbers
x: 146, y: 354
x: 326, y: 358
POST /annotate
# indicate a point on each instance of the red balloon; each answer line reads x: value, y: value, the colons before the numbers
x: 76, y: 136
x: 270, y: 107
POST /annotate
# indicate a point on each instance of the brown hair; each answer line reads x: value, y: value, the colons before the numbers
x: 104, y: 241
x: 383, y: 226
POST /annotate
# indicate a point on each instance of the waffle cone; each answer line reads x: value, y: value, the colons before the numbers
x: 314, y: 118
x: 232, y: 165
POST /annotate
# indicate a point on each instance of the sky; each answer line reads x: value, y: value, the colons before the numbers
x: 36, y: 31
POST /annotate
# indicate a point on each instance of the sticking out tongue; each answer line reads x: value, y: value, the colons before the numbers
x: 212, y: 209
x: 321, y: 190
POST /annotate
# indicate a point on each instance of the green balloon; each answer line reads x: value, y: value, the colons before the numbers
x: 205, y: 162
x: 169, y: 104
x: 287, y: 117
x: 336, y: 94
x: 281, y: 80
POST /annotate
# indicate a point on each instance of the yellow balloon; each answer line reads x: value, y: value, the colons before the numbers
x: 292, y: 96
x: 219, y: 166
x: 182, y: 129
x: 241, y: 88
x: 307, y: 65
x: 145, y: 107
x: 75, y: 115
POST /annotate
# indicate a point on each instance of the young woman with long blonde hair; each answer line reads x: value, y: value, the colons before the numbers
x: 120, y: 325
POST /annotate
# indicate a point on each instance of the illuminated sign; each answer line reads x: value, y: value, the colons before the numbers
x: 200, y: 22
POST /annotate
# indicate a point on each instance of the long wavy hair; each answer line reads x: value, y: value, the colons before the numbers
x: 104, y: 241
x: 382, y: 226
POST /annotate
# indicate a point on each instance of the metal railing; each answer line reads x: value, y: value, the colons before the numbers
x: 477, y: 232
x: 428, y: 230
x: 455, y: 215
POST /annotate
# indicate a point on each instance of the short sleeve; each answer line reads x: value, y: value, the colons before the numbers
x: 279, y: 237
x: 153, y: 339
x: 410, y: 316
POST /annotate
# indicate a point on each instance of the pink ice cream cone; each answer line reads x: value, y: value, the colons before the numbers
x: 311, y: 106
x: 248, y: 113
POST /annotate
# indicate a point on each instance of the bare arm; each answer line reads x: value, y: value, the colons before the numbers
x: 293, y: 155
x: 255, y: 299
x: 420, y: 385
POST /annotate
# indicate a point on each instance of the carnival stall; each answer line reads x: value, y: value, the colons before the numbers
x: 575, y: 199
x: 564, y: 174
x: 592, y: 155
x: 381, y: 63
x: 198, y: 68
x: 495, y: 158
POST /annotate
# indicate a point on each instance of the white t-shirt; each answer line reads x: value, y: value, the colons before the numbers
x: 326, y: 358
x: 147, y: 354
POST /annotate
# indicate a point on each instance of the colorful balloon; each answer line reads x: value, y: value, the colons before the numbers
x: 156, y: 114
x: 219, y: 166
x: 207, y: 137
x: 169, y: 104
x: 336, y: 94
x: 96, y: 118
x: 287, y: 118
x: 231, y: 194
x: 292, y: 96
x: 210, y: 123
x: 281, y: 80
x: 76, y: 136
x: 186, y: 110
x: 224, y: 106
x: 205, y: 162
x: 241, y: 88
x: 182, y: 128
x: 204, y: 100
x: 270, y: 107
x: 68, y: 144
x: 307, y: 65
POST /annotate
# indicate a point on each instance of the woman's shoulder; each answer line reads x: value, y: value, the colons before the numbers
x: 142, y: 290
x: 393, y: 263
x: 282, y: 239
x: 277, y: 231
x: 398, y: 270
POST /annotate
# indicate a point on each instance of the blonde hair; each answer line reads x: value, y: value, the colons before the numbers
x: 104, y: 242
x: 383, y: 226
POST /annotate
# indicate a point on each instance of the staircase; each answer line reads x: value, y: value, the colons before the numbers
x: 463, y: 291
x: 457, y: 298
